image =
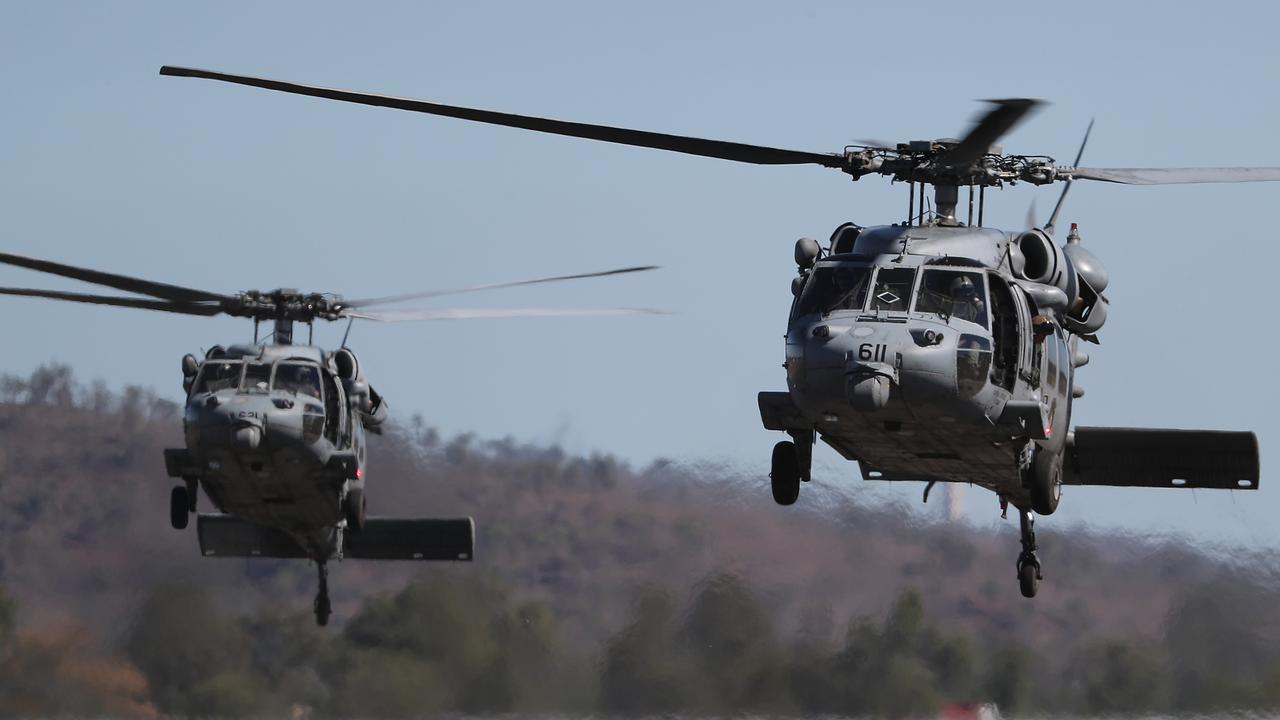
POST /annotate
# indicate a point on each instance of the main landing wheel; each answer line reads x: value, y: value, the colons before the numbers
x: 1045, y: 480
x: 179, y: 507
x: 784, y: 475
x: 353, y: 506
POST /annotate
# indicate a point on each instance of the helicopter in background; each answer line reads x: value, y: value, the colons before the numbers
x: 932, y: 349
x: 275, y: 432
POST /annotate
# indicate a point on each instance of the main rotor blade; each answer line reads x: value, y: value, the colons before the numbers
x: 139, y: 303
x: 1173, y: 176
x: 738, y: 152
x: 492, y: 313
x: 366, y: 302
x: 990, y: 128
x: 1053, y: 219
x: 172, y: 293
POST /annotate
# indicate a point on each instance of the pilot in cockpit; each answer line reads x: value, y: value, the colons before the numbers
x: 966, y: 303
x: 298, y: 379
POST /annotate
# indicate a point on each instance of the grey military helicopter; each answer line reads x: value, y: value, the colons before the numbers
x: 275, y: 432
x: 932, y: 349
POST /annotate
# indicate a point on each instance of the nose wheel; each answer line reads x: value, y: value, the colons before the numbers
x: 1029, y: 576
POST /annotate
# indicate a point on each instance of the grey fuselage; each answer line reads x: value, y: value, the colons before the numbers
x: 916, y: 384
x: 275, y: 438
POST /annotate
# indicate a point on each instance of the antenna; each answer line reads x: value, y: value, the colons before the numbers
x: 350, y: 322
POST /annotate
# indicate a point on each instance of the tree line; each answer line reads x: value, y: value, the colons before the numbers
x: 599, y: 589
x: 459, y: 642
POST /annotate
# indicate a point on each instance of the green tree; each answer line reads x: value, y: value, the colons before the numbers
x: 1117, y: 677
x: 643, y: 670
x: 8, y: 620
x: 196, y: 659
x: 494, y: 658
x: 1007, y: 680
x: 382, y: 683
x: 734, y: 648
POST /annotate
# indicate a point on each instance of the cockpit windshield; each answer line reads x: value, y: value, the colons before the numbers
x: 257, y: 378
x: 893, y: 289
x: 841, y: 287
x: 951, y: 293
x: 298, y: 379
x: 218, y: 375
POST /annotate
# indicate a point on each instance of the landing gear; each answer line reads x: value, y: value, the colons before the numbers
x: 784, y: 473
x: 1029, y: 579
x: 1044, y: 480
x: 353, y: 506
x: 323, y: 608
x: 179, y: 507
x: 182, y: 502
x: 1029, y: 576
x: 792, y: 461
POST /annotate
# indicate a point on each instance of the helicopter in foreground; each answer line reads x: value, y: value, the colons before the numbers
x: 275, y: 432
x: 932, y: 349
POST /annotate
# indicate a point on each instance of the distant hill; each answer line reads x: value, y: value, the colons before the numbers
x: 84, y: 540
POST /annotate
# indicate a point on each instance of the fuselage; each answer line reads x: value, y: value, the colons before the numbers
x: 275, y: 439
x: 913, y: 350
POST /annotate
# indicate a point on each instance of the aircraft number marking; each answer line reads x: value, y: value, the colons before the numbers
x: 872, y: 352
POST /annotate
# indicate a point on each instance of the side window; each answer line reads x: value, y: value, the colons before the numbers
x: 950, y: 293
x: 1051, y: 345
x: 332, y: 409
x: 1064, y: 368
x: 298, y: 379
x: 892, y: 292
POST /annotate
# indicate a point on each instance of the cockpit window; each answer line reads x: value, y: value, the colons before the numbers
x: 218, y: 375
x: 893, y: 289
x: 257, y: 378
x: 949, y: 293
x: 298, y: 379
x: 834, y: 288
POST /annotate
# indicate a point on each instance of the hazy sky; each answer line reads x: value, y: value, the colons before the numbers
x: 226, y: 188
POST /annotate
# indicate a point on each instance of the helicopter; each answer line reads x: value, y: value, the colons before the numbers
x: 275, y: 432
x: 931, y: 349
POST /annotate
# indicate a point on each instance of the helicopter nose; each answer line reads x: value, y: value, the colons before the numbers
x: 246, y: 437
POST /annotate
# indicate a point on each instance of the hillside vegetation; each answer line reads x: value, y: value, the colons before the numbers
x: 597, y: 587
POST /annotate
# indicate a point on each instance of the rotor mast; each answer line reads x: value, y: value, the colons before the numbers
x: 282, y: 332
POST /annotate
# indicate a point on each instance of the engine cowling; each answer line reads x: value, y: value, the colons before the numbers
x: 1071, y: 269
x: 1046, y: 263
x: 1088, y: 312
x: 346, y: 364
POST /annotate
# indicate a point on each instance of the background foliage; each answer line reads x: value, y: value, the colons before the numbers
x: 597, y: 588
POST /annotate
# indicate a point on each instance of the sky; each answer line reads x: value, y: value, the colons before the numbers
x: 105, y: 163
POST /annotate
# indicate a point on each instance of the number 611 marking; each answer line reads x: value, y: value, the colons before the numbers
x: 872, y: 352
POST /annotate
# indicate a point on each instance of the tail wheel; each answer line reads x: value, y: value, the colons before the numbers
x: 355, y: 509
x: 323, y: 610
x: 179, y: 508
x: 784, y: 474
x: 1029, y: 578
x: 1045, y: 481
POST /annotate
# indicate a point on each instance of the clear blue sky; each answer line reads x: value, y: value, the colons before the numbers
x: 226, y: 188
